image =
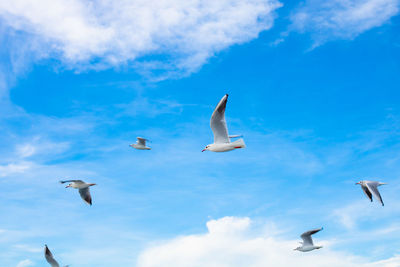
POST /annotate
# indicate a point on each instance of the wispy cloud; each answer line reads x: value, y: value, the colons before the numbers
x: 25, y: 263
x: 341, y: 19
x: 14, y: 168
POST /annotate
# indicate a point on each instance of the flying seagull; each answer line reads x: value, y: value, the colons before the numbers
x: 49, y: 257
x: 222, y: 142
x: 307, y: 244
x: 140, y: 144
x: 83, y: 189
x: 370, y: 189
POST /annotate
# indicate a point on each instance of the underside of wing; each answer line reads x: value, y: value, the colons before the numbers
x: 306, y: 236
x: 49, y: 257
x: 373, y: 188
x: 85, y: 195
x: 218, y: 123
x: 367, y: 192
x: 141, y: 141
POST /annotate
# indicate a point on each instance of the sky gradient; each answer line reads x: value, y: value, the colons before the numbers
x: 313, y: 87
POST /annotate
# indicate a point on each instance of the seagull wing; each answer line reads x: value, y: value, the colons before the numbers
x: 367, y: 192
x: 218, y: 123
x: 72, y: 181
x: 49, y: 257
x: 141, y: 141
x: 85, y: 195
x: 373, y: 188
x: 306, y: 236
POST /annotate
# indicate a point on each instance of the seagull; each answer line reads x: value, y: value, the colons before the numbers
x: 370, y: 189
x: 83, y: 189
x: 307, y: 244
x: 140, y: 144
x: 49, y: 257
x: 222, y: 142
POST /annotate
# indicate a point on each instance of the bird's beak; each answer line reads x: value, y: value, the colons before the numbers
x: 203, y: 150
x: 67, y: 186
x: 358, y: 183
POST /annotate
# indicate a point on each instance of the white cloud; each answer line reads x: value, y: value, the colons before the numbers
x: 25, y: 150
x: 25, y: 263
x: 13, y: 168
x: 105, y: 33
x: 342, y: 19
x: 232, y: 241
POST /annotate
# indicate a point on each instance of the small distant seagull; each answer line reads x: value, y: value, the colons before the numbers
x: 370, y: 189
x: 140, y: 144
x: 83, y: 189
x: 49, y: 257
x: 307, y: 244
x: 222, y: 142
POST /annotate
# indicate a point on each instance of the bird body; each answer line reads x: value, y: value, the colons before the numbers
x: 83, y: 189
x: 222, y: 142
x: 140, y: 144
x: 308, y: 244
x: 225, y: 147
x: 370, y: 189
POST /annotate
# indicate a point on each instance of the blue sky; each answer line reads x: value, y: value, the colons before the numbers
x: 313, y: 88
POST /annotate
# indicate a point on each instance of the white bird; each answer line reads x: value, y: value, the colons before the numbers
x: 370, y: 189
x: 49, y: 257
x: 83, y: 189
x: 222, y: 142
x: 307, y: 244
x: 140, y: 144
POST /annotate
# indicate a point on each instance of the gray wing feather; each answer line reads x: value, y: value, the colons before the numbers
x: 71, y: 181
x: 141, y: 141
x: 373, y: 188
x: 218, y: 123
x: 306, y: 236
x: 49, y: 257
x: 85, y: 195
x: 367, y: 192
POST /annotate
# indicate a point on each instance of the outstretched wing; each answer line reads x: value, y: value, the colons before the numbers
x: 367, y: 192
x: 306, y: 236
x: 49, y: 257
x: 141, y: 141
x: 71, y: 181
x: 218, y: 123
x: 85, y: 195
x: 373, y: 188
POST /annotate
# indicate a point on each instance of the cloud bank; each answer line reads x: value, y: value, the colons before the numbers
x: 167, y: 34
x: 232, y: 241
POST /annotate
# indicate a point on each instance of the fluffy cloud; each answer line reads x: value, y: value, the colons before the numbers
x: 105, y: 33
x: 342, y: 19
x: 234, y: 242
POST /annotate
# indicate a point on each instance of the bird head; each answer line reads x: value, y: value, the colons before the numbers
x: 69, y: 185
x: 206, y: 148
